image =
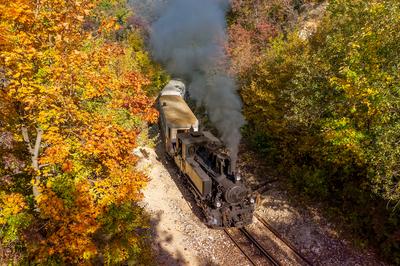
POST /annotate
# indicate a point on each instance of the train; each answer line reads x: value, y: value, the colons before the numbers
x: 203, y: 161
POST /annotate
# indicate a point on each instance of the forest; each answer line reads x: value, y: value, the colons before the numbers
x: 320, y: 85
x: 323, y: 105
x: 75, y: 96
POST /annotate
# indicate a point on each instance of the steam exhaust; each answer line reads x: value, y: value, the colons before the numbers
x: 188, y: 37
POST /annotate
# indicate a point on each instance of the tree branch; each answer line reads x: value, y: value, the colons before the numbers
x: 43, y: 165
x: 35, y: 152
x: 25, y: 135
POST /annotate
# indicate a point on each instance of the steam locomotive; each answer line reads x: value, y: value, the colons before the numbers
x: 203, y: 161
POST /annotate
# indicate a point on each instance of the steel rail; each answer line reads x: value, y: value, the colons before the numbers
x: 260, y: 247
x: 284, y: 240
x: 238, y: 246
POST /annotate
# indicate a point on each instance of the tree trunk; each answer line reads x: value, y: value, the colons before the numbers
x: 34, y: 152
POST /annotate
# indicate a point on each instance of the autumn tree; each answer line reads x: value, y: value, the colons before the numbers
x: 252, y: 24
x: 327, y: 111
x: 73, y: 101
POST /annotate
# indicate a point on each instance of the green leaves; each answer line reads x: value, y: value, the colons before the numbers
x: 14, y: 217
x: 338, y: 88
x: 331, y: 106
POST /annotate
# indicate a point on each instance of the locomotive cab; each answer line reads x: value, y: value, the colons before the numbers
x: 225, y: 198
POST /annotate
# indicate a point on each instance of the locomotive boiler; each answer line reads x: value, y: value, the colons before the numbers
x: 203, y: 161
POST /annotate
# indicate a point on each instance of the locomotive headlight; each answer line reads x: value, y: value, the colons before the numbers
x: 238, y: 178
x: 218, y: 204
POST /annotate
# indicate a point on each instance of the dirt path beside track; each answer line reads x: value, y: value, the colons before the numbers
x: 179, y: 235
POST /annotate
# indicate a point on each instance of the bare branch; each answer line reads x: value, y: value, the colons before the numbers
x: 43, y: 165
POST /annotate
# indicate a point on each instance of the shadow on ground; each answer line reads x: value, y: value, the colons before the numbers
x: 161, y: 236
x: 179, y: 180
x: 162, y: 256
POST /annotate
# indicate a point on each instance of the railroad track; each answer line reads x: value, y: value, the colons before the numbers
x: 282, y: 239
x: 260, y: 256
x: 266, y: 246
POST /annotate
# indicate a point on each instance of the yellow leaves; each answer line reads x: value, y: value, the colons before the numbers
x: 55, y: 154
x: 58, y: 38
x: 377, y: 8
x: 92, y: 92
x: 88, y: 97
x: 4, y: 34
x: 80, y: 18
x: 123, y: 185
x: 58, y: 149
x: 108, y: 141
x: 50, y: 205
x: 108, y: 25
x: 67, y: 166
x: 86, y: 11
x: 20, y: 11
x: 342, y: 135
x: 11, y: 204
x: 75, y: 224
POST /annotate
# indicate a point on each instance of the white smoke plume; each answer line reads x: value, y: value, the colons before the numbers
x: 188, y: 37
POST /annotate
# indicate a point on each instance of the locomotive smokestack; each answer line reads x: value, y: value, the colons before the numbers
x: 188, y: 38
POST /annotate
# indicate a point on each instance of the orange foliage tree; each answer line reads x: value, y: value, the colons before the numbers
x: 75, y: 98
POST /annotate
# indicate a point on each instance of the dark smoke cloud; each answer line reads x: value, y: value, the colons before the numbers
x: 188, y: 37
